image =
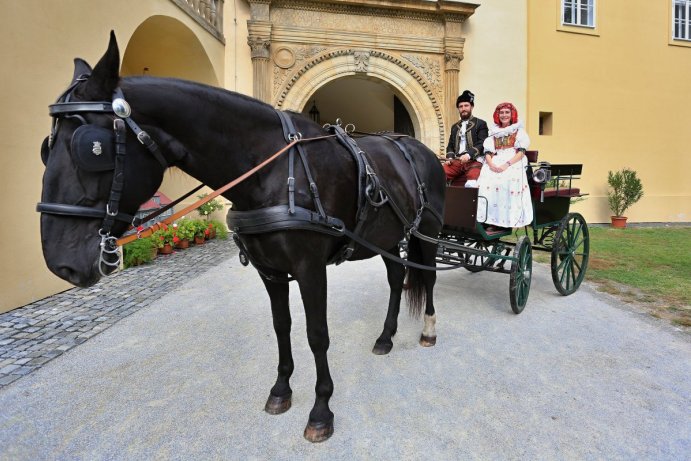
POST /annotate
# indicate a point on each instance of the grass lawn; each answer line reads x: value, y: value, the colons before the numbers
x: 646, y: 265
x: 655, y: 262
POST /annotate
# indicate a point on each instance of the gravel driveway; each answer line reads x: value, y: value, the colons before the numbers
x: 574, y: 377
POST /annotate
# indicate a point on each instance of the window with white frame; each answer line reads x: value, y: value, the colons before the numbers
x: 578, y: 13
x: 682, y: 20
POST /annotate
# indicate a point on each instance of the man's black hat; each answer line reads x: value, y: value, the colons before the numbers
x: 466, y: 96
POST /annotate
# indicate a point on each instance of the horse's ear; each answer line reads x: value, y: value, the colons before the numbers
x: 81, y: 67
x: 105, y: 75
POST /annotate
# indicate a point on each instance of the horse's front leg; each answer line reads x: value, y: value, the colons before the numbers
x: 312, y: 283
x: 395, y: 274
x: 279, y: 400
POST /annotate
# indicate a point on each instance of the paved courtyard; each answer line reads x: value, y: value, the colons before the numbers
x: 35, y: 334
x: 186, y: 356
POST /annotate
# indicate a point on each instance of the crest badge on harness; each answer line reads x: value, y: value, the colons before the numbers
x: 96, y: 149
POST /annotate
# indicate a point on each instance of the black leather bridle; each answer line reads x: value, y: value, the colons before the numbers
x: 65, y: 108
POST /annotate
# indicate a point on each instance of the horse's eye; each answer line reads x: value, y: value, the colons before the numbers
x: 45, y: 150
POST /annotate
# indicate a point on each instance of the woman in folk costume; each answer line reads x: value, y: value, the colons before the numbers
x: 503, y: 181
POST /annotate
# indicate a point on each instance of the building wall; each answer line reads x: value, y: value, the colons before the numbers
x: 495, y: 66
x: 617, y: 95
x: 39, y: 40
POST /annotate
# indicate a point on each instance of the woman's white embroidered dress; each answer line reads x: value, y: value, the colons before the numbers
x: 506, y: 194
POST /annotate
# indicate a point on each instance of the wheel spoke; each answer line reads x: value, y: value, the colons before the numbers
x: 577, y: 265
x: 561, y: 264
x: 575, y: 231
x: 573, y: 273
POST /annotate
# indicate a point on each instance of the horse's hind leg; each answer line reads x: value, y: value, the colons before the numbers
x: 429, y: 334
x: 395, y: 274
x: 312, y: 281
x: 279, y: 400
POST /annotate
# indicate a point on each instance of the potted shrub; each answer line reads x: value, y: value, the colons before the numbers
x: 625, y: 189
x: 209, y: 207
x: 200, y: 231
x: 165, y: 239
x: 185, y: 231
x: 138, y: 252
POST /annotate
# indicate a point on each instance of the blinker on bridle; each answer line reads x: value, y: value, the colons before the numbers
x: 64, y: 108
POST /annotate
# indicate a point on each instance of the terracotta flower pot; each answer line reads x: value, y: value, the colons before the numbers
x: 619, y: 222
x: 166, y: 249
x: 198, y: 240
x: 182, y: 244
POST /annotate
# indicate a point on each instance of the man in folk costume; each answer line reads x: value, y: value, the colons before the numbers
x: 465, y: 143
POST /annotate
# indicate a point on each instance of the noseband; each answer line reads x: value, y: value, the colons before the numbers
x: 64, y: 108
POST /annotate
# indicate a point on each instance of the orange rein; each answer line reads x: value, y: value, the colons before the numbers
x: 170, y: 219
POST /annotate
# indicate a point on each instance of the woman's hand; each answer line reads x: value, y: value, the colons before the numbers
x: 498, y: 169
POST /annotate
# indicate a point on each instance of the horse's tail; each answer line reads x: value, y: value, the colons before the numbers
x: 416, y: 293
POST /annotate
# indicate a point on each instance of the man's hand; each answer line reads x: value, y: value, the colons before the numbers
x: 464, y: 158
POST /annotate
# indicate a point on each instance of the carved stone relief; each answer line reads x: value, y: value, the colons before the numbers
x: 415, y: 44
x: 361, y: 61
x: 299, y: 53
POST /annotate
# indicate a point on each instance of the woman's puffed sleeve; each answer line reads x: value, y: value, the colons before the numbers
x: 522, y: 140
x: 488, y: 145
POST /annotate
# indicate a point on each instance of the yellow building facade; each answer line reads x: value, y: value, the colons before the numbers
x: 612, y: 96
x: 345, y: 55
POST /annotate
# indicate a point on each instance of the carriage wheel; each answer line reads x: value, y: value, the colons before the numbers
x: 570, y: 253
x: 521, y: 274
x: 477, y: 263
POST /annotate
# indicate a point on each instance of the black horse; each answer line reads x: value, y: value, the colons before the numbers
x: 90, y: 188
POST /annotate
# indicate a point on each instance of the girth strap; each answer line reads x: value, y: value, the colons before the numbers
x: 279, y: 218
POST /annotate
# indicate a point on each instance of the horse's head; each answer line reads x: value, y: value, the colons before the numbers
x: 97, y: 173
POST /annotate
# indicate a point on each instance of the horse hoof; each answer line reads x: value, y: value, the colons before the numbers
x: 319, y: 432
x: 382, y: 348
x: 428, y: 341
x: 277, y: 405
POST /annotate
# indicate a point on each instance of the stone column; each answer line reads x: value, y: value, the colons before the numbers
x: 259, y: 40
x: 453, y: 55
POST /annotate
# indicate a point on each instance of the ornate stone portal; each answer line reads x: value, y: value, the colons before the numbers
x: 415, y: 46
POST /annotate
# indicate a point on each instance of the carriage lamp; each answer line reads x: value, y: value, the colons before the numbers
x: 314, y: 112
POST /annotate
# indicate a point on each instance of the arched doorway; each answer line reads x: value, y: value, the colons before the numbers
x: 411, y: 88
x: 370, y: 104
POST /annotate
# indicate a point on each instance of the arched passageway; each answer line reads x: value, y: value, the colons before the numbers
x: 370, y: 104
x: 164, y: 47
x: 379, y: 68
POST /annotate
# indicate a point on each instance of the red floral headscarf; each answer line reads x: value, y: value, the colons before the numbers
x: 506, y: 105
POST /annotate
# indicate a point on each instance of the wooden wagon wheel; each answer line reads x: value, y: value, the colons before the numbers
x: 521, y: 274
x: 570, y: 253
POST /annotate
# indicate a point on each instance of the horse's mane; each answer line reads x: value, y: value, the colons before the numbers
x: 200, y: 89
